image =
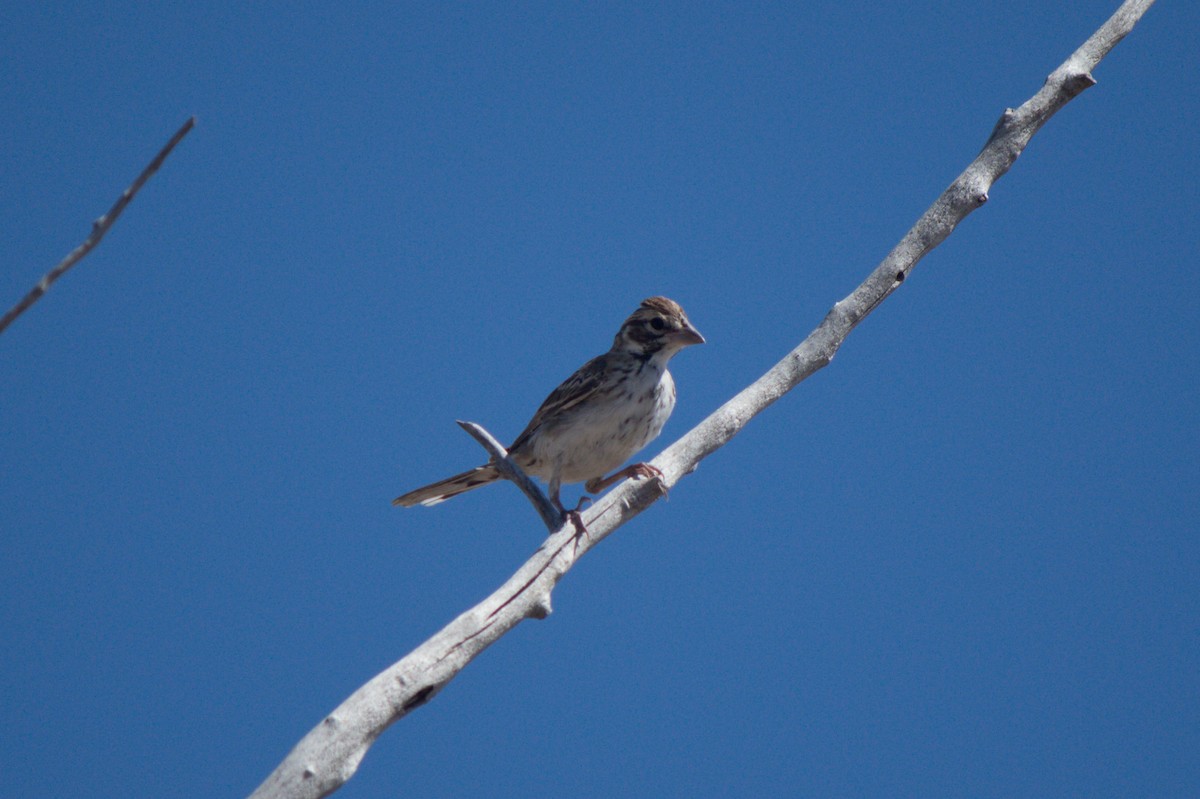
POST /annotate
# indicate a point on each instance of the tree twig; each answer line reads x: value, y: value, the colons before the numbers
x: 545, y: 508
x: 329, y: 755
x: 99, y: 228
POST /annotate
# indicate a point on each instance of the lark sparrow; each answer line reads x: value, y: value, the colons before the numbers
x: 614, y: 405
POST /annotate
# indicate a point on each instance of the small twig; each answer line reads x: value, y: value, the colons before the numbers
x: 545, y: 508
x: 99, y: 228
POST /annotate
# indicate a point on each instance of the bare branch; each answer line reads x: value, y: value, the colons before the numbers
x: 329, y: 755
x: 99, y: 228
x: 508, y: 467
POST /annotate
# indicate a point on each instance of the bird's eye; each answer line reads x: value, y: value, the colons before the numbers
x: 657, y: 323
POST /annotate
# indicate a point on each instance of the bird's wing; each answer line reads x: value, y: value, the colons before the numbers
x: 575, y: 389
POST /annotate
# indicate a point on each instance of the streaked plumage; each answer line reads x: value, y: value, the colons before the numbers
x: 614, y: 405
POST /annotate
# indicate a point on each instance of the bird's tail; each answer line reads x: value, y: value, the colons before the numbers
x: 443, y: 490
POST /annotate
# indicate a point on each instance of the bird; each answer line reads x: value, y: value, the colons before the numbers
x: 609, y: 409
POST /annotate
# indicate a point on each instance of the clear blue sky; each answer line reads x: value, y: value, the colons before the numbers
x: 961, y: 561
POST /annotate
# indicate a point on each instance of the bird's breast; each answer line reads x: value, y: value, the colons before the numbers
x: 604, y: 432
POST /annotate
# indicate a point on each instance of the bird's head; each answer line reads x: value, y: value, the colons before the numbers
x: 658, y: 327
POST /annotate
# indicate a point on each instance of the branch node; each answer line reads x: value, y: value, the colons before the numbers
x: 541, y: 607
x: 1077, y: 82
x: 1002, y: 124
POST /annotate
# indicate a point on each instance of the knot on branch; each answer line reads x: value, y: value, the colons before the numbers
x: 1076, y: 83
x: 1003, y: 125
x: 419, y: 698
x: 1072, y: 80
x: 541, y: 607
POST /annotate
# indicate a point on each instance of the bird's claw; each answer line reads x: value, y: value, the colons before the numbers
x: 645, y: 470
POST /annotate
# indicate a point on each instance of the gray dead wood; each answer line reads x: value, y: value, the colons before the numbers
x: 329, y: 754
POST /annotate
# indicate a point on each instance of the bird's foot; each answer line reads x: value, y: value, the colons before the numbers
x: 573, y: 515
x: 576, y: 518
x: 646, y: 470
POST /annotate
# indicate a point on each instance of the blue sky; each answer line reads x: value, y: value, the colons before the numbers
x: 961, y: 561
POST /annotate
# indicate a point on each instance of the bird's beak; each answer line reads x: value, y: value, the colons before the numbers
x: 687, y: 336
